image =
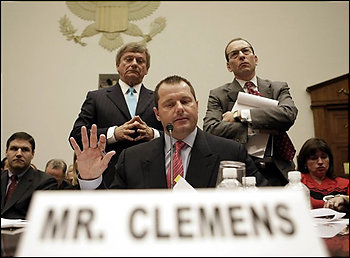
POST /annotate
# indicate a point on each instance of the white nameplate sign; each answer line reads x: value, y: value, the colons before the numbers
x: 270, y: 222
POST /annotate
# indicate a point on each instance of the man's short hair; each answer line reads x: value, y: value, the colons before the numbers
x: 133, y: 47
x: 173, y: 79
x: 57, y: 164
x: 21, y: 136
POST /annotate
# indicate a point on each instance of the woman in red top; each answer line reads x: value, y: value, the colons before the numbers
x: 315, y: 162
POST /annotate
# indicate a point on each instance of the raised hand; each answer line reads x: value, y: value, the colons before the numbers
x: 92, y: 160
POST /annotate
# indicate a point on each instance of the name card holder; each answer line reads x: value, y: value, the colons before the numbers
x: 270, y: 222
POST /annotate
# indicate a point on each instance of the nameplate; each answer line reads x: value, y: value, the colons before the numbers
x: 270, y: 222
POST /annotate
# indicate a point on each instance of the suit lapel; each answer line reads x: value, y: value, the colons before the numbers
x: 264, y: 88
x: 153, y: 166
x: 233, y: 89
x: 116, y: 95
x: 4, y: 182
x: 21, y: 189
x: 145, y: 99
x: 201, y: 168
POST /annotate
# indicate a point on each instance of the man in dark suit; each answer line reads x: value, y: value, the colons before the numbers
x: 239, y: 125
x: 145, y: 165
x: 108, y: 107
x: 21, y: 177
x: 57, y: 168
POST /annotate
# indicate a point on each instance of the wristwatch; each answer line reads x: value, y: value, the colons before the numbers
x: 237, y: 117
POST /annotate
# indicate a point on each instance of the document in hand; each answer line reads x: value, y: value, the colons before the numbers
x: 257, y: 143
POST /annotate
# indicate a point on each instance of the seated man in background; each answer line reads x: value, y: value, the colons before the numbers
x: 4, y: 164
x: 147, y: 165
x: 19, y: 182
x: 315, y: 162
x: 57, y: 168
x: 72, y: 173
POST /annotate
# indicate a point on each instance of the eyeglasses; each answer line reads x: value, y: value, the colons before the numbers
x: 234, y: 54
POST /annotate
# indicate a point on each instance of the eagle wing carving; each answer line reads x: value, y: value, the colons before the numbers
x: 141, y: 9
x: 83, y: 9
x: 111, y: 18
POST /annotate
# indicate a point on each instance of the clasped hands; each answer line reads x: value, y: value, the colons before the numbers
x: 135, y: 126
x: 92, y: 161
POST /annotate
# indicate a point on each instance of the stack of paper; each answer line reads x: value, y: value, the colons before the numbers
x: 329, y: 222
x: 182, y: 184
x: 257, y: 143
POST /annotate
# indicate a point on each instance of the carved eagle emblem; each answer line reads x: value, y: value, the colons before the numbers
x: 111, y: 19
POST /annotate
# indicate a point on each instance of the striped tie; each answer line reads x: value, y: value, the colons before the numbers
x: 177, y: 163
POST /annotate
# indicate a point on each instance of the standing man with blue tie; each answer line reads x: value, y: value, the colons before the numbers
x: 239, y: 125
x: 124, y: 112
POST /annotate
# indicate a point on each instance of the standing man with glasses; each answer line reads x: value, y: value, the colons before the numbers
x: 240, y: 125
x: 124, y: 112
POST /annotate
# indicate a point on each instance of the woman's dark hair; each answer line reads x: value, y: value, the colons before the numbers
x: 309, y: 148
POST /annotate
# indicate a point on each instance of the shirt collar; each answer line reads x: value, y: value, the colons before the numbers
x: 19, y: 176
x: 253, y: 80
x: 189, y: 140
x: 125, y: 87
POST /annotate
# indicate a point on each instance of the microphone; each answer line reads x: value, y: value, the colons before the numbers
x: 170, y: 128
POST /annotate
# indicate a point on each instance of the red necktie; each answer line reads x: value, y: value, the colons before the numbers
x: 284, y: 146
x: 177, y: 163
x: 12, y: 187
x: 282, y: 143
x: 251, y: 89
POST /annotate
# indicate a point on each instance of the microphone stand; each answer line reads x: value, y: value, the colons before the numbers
x: 170, y: 128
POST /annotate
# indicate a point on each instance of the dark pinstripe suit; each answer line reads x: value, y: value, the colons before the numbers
x: 107, y: 107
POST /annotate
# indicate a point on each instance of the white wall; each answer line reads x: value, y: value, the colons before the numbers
x: 45, y: 78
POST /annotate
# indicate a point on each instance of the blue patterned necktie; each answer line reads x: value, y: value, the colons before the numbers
x: 131, y: 101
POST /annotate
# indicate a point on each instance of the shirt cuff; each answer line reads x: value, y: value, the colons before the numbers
x: 89, y: 184
x: 245, y: 114
x: 156, y: 133
x: 110, y: 135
